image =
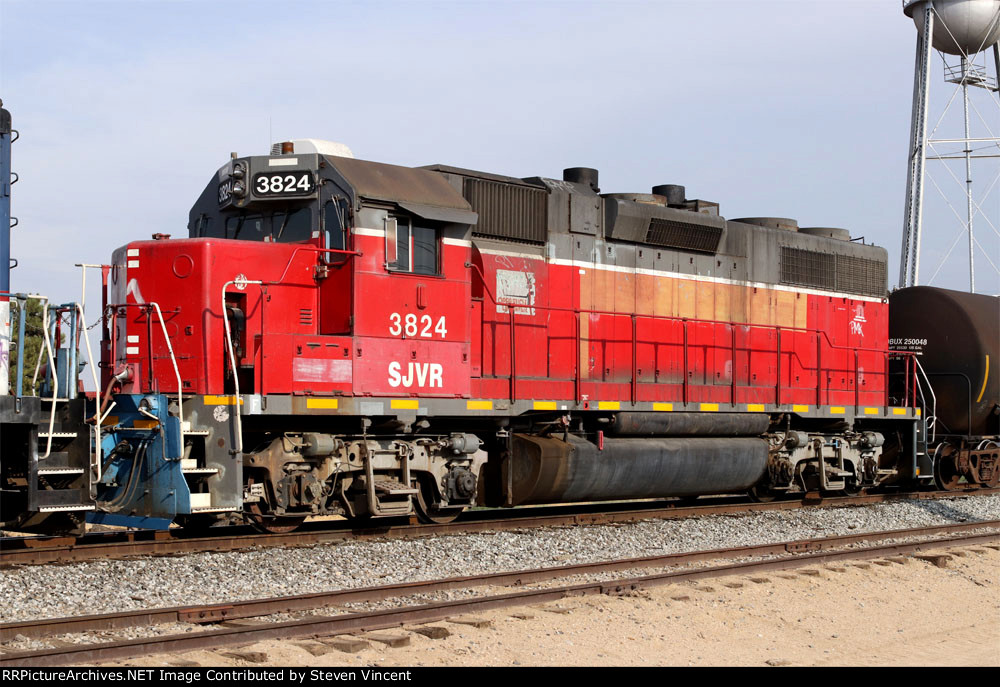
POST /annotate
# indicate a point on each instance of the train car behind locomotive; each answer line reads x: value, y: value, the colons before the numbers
x: 957, y: 337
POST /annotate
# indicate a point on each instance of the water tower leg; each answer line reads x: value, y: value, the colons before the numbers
x: 996, y: 63
x: 968, y: 173
x: 909, y: 267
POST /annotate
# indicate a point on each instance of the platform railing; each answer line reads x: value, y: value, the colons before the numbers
x: 820, y: 335
x: 148, y: 309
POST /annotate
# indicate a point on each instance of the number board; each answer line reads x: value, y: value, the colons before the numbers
x: 225, y: 192
x: 290, y: 183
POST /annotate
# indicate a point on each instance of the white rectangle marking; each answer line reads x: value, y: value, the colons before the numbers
x: 133, y: 263
x: 133, y: 338
x: 283, y: 162
x: 132, y: 252
x: 322, y: 370
x: 515, y: 288
x: 132, y: 350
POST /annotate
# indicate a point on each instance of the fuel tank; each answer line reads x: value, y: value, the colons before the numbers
x: 690, y: 424
x: 550, y: 470
x: 957, y: 335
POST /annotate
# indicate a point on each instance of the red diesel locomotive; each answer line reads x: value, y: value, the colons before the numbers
x: 338, y: 336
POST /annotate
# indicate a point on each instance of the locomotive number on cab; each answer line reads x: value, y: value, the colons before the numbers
x: 284, y: 184
x: 409, y: 325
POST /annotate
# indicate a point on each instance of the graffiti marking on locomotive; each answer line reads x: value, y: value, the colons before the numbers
x: 410, y: 325
x: 424, y: 375
x: 516, y: 288
x: 132, y: 288
x: 221, y: 413
x: 858, y: 321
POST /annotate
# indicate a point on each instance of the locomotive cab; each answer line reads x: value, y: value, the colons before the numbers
x: 308, y: 283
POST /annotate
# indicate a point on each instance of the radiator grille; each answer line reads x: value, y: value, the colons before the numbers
x: 808, y: 268
x: 833, y: 272
x: 516, y: 213
x: 861, y: 275
x: 305, y: 316
x: 683, y: 236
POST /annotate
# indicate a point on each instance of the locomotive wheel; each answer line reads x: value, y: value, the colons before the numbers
x: 761, y: 494
x: 946, y: 474
x: 854, y: 489
x: 272, y: 524
x: 426, y: 512
x: 269, y: 524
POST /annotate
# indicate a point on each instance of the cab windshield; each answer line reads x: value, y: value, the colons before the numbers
x: 286, y: 225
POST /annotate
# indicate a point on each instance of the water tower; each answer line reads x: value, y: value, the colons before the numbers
x: 964, y: 32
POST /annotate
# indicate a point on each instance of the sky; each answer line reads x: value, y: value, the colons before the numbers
x: 794, y: 108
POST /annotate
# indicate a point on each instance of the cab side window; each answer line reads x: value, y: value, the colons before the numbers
x: 411, y: 247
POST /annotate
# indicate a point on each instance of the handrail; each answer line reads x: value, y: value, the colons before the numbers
x: 930, y: 389
x: 232, y: 358
x: 684, y: 321
x: 288, y: 265
x: 180, y: 383
x: 55, y: 381
x: 97, y: 387
x: 153, y: 305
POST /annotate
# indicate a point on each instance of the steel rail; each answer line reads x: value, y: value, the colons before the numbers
x: 41, y: 550
x: 257, y: 607
x: 395, y: 617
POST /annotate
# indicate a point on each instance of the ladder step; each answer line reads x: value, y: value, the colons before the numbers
x: 200, y: 501
x: 200, y: 471
x: 59, y: 509
x: 60, y: 471
x: 57, y: 435
x: 393, y: 488
x: 210, y: 509
x: 196, y: 432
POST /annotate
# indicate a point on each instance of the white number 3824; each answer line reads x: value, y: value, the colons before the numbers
x: 410, y: 326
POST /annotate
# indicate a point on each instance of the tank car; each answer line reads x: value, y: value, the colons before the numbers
x: 956, y: 337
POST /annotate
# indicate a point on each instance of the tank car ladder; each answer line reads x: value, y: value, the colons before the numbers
x: 924, y: 428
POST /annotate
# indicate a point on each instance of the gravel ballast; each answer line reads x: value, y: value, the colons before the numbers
x: 109, y: 586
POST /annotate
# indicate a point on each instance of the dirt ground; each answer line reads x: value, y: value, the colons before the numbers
x: 906, y: 613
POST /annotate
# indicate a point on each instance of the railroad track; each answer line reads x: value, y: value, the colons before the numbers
x: 777, y: 556
x: 34, y: 550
